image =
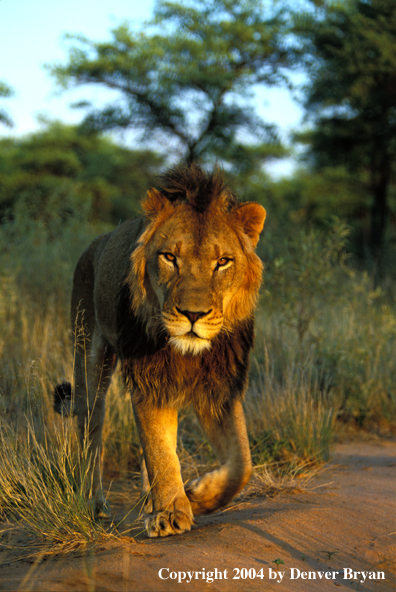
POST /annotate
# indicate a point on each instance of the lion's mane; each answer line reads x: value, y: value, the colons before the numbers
x: 161, y: 374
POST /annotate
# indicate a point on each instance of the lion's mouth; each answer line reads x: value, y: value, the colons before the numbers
x: 192, y: 335
x: 190, y: 343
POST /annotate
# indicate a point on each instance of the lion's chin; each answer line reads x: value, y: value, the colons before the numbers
x: 187, y: 344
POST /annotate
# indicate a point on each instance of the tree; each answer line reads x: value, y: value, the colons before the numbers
x: 5, y: 91
x: 62, y: 168
x: 189, y: 78
x: 351, y: 96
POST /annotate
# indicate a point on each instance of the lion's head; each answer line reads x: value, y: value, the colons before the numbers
x: 195, y: 272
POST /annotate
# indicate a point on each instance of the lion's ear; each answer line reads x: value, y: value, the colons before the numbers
x: 154, y: 203
x: 251, y: 216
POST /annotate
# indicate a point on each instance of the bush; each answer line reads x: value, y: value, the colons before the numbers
x: 317, y: 308
x: 311, y: 269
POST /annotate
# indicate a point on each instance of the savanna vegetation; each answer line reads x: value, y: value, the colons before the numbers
x: 324, y: 360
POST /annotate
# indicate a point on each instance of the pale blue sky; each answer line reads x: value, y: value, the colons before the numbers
x: 31, y: 34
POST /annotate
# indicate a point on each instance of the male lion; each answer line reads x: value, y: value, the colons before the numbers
x: 171, y: 295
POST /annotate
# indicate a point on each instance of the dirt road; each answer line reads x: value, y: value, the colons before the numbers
x: 341, y: 532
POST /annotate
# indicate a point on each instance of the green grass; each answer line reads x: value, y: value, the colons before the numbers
x: 290, y: 418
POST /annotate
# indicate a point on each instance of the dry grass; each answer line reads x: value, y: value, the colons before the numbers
x: 42, y: 487
x: 43, y: 475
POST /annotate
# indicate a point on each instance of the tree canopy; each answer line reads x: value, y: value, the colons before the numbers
x: 188, y: 78
x: 63, y: 168
x: 351, y: 96
x: 5, y: 91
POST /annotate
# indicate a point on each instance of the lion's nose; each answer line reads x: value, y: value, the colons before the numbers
x: 193, y: 316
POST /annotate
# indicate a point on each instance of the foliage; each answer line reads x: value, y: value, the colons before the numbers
x: 310, y: 270
x: 313, y: 198
x: 309, y: 199
x: 305, y: 200
x: 290, y: 419
x: 357, y: 354
x: 351, y: 99
x: 63, y: 169
x: 5, y: 91
x: 39, y: 253
x: 325, y: 325
x: 189, y: 80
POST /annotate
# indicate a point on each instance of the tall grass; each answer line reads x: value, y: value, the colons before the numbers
x: 290, y: 418
x: 323, y: 355
x: 43, y: 474
x: 42, y: 484
x: 320, y: 314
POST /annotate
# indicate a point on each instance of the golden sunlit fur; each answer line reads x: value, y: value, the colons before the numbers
x: 172, y: 295
x: 239, y: 304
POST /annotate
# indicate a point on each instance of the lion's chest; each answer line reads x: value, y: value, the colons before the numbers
x: 209, y: 381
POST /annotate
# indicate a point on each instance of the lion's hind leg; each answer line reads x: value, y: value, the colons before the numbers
x: 93, y: 371
x: 229, y: 440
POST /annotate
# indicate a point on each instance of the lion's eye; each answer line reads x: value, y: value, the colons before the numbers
x: 169, y: 257
x: 223, y: 261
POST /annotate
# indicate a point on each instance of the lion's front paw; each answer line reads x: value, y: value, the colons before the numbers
x: 167, y: 523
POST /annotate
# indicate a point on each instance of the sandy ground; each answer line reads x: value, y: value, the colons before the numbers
x: 345, y: 520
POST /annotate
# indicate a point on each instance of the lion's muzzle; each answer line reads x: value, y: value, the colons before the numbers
x: 193, y: 316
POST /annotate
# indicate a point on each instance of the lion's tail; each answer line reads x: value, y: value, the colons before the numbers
x: 63, y: 400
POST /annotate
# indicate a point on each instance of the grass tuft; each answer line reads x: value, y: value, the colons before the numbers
x: 290, y: 420
x: 42, y: 487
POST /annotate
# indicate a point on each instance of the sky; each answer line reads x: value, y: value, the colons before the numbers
x: 32, y: 35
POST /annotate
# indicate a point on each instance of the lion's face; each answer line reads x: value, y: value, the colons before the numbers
x: 195, y: 268
x: 200, y: 269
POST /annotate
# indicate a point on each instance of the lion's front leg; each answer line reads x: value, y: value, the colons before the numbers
x: 172, y: 513
x: 229, y: 440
